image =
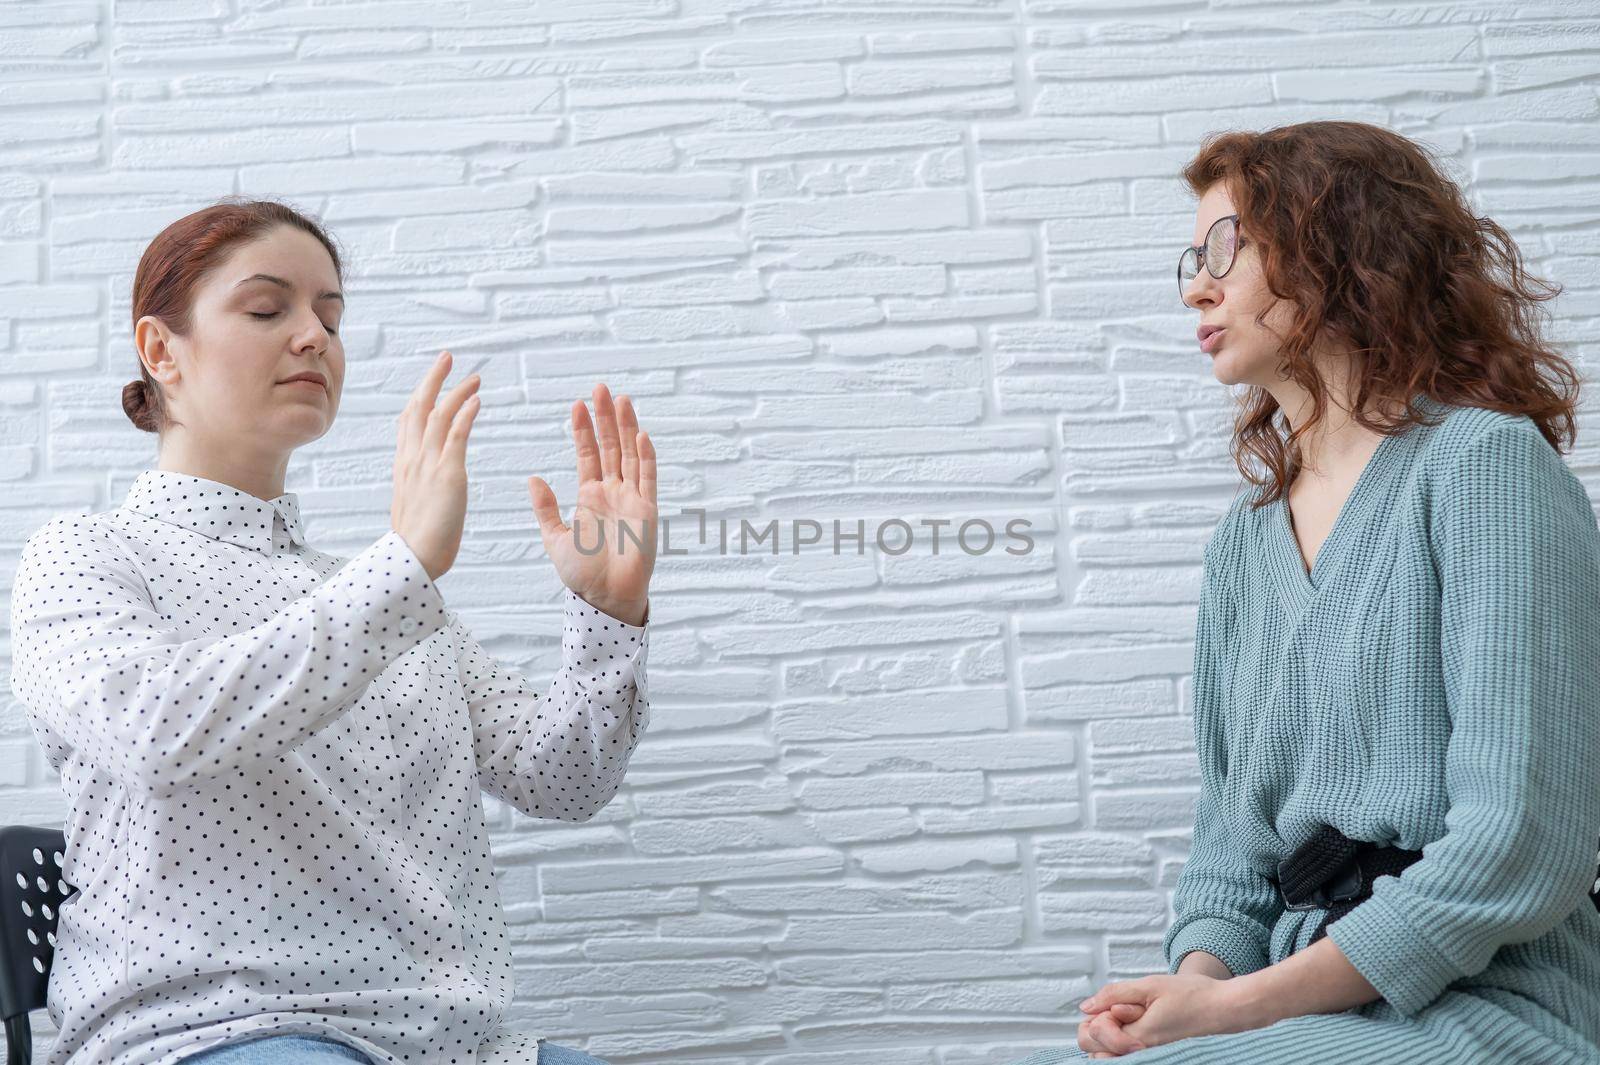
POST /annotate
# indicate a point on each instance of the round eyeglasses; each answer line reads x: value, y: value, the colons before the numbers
x: 1216, y: 254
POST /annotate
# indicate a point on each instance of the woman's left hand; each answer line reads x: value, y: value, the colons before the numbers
x: 1175, y: 1007
x: 1100, y: 1035
x: 616, y: 488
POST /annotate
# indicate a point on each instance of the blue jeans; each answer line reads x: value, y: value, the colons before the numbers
x: 315, y: 1050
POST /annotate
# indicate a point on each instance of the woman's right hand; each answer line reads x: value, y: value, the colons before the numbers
x: 430, y: 468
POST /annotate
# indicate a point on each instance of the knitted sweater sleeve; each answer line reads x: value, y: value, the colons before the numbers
x: 1517, y: 553
x: 1222, y: 904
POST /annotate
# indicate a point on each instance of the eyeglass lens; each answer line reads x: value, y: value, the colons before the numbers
x: 1221, y: 240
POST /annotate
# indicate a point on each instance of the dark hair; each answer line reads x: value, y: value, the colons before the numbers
x: 175, y: 263
x: 1376, y: 246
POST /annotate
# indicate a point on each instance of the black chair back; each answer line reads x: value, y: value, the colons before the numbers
x: 1594, y: 895
x: 31, y: 891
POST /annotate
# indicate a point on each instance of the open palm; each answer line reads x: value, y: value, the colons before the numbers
x: 608, y: 552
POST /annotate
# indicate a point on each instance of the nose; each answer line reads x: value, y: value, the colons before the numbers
x: 313, y: 336
x: 1203, y: 291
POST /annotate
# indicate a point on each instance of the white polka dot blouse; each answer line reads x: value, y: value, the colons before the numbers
x: 272, y: 758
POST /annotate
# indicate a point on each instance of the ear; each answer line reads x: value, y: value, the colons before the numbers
x: 152, y: 340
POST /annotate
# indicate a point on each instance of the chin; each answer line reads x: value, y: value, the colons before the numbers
x: 301, y: 439
x: 1232, y: 369
x: 1220, y: 370
x: 308, y: 427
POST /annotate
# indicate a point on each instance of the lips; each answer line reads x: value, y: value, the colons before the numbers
x: 1209, y: 337
x: 311, y: 376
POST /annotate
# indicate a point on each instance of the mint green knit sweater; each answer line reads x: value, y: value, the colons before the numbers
x: 1432, y: 683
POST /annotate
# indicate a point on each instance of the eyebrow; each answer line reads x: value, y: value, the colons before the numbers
x: 280, y: 282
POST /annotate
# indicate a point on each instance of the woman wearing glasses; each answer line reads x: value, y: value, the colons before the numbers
x: 272, y: 755
x: 1396, y: 690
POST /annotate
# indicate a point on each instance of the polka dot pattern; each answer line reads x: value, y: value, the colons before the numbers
x: 273, y: 758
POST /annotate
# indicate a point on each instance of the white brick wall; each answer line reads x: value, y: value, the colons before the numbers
x: 911, y: 259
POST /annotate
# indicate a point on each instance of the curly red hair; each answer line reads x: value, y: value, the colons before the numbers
x: 1373, y: 244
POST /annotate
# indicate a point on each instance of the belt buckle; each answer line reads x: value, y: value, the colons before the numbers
x: 1344, y: 885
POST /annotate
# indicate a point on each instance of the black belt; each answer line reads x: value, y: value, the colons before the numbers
x: 1332, y: 872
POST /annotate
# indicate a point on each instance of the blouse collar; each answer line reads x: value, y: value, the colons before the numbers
x: 213, y: 508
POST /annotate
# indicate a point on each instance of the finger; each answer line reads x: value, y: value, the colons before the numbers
x: 413, y: 415
x: 1088, y: 1032
x: 1121, y: 991
x: 1110, y: 1035
x: 405, y: 438
x: 443, y: 416
x: 545, y: 511
x: 647, y: 467
x: 1086, y: 1039
x: 455, y: 445
x: 1090, y: 1044
x: 628, y: 427
x: 588, y: 452
x: 427, y: 389
x: 1126, y: 1012
x: 605, y: 420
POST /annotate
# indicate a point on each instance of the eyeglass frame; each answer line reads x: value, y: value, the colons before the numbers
x: 1200, y: 253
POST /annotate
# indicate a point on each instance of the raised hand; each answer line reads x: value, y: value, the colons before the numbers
x: 429, y: 504
x: 614, y: 519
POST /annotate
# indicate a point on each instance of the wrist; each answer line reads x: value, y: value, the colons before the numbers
x: 629, y: 612
x: 1250, y: 1001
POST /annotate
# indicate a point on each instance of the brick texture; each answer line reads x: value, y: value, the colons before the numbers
x: 908, y: 260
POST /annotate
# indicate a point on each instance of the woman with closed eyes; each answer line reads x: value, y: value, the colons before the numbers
x: 273, y: 755
x: 1396, y: 691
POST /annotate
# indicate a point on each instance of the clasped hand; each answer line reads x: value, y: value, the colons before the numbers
x: 1131, y: 1015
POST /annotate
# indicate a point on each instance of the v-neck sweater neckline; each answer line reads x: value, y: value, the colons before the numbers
x: 1387, y: 460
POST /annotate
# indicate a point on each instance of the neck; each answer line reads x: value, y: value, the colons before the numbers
x: 260, y: 474
x: 1337, y: 436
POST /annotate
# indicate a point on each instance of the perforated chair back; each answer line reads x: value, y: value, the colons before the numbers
x: 31, y: 891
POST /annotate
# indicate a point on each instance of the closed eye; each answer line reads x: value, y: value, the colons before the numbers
x: 274, y: 314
